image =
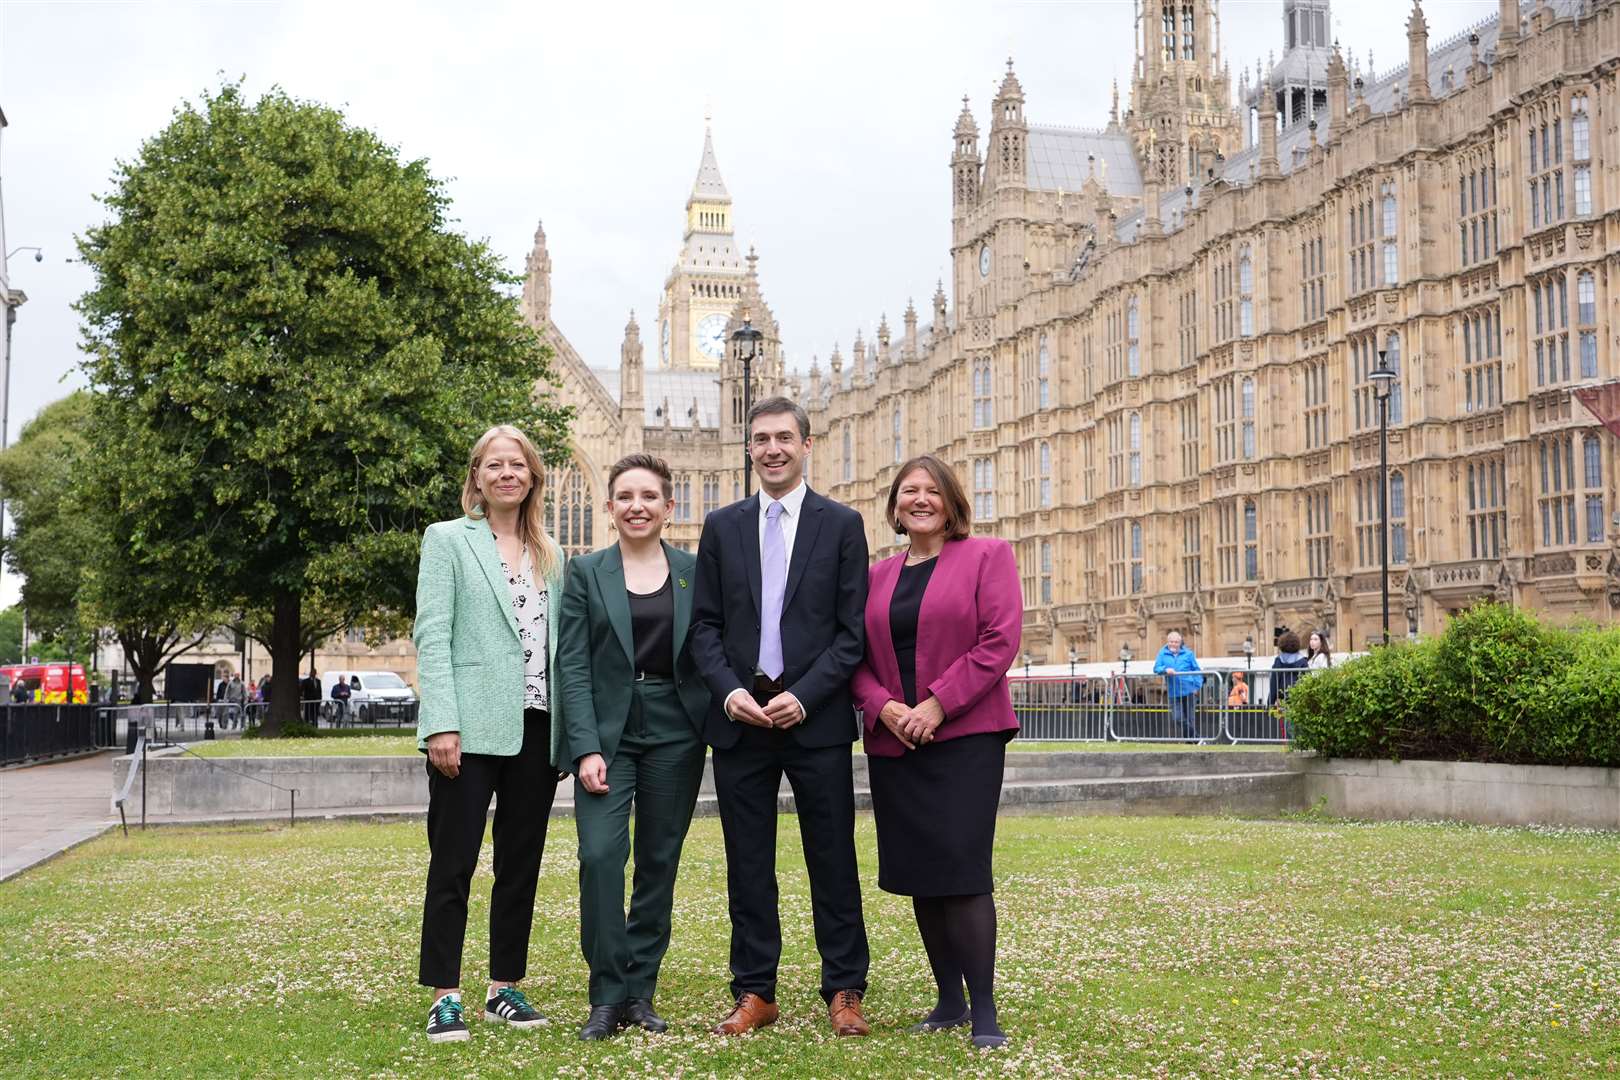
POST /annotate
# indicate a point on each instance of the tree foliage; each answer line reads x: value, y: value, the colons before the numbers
x: 291, y: 353
x: 39, y: 478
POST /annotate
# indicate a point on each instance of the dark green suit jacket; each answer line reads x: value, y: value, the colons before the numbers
x: 596, y: 653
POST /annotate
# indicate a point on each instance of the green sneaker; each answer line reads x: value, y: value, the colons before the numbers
x: 445, y: 1023
x: 509, y: 1006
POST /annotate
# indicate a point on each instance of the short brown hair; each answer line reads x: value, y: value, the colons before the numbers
x: 958, y: 514
x: 1289, y: 642
x: 655, y: 465
x: 773, y: 406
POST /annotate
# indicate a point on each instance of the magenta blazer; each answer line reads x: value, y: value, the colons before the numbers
x: 968, y: 632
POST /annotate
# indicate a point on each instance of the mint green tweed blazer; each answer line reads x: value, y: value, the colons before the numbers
x: 469, y: 662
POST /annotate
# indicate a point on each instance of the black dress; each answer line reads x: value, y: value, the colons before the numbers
x: 935, y: 806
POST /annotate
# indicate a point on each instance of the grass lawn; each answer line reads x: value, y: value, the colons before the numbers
x: 1132, y: 947
x: 369, y: 744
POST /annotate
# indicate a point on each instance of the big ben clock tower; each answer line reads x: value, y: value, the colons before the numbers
x: 707, y: 279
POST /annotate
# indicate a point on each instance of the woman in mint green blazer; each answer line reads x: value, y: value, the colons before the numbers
x: 486, y: 641
x: 634, y: 704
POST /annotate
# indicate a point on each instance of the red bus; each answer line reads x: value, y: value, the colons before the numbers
x: 47, y: 684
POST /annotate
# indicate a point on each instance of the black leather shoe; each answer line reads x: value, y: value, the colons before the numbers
x: 604, y: 1023
x: 639, y: 1011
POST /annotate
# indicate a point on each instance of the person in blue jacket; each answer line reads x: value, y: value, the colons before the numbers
x: 1174, y: 658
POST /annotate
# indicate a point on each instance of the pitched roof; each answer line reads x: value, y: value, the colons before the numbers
x: 1063, y: 158
x: 709, y: 187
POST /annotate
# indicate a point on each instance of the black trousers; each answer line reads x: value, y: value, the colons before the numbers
x: 747, y: 779
x: 524, y: 786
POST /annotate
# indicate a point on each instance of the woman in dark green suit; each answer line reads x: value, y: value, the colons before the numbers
x: 633, y: 704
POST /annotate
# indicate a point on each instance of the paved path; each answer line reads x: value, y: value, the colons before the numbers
x: 46, y: 809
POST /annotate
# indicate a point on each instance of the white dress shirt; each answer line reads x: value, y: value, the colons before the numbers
x: 792, y: 506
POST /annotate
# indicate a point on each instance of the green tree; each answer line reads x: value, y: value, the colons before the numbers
x: 51, y: 533
x: 291, y: 353
x: 11, y: 625
x: 65, y: 543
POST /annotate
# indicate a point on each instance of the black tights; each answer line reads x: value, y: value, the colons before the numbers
x: 959, y: 933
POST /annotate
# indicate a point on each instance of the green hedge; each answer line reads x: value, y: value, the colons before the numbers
x: 1498, y: 685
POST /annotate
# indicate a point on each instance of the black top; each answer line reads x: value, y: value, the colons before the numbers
x: 903, y: 610
x: 652, y: 628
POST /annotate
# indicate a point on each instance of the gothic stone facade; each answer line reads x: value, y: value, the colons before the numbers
x: 1153, y: 377
x: 689, y: 408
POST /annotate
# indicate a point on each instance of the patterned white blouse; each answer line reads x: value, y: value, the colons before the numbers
x: 529, y: 605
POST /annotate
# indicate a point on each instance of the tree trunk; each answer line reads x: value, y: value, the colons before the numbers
x: 143, y: 656
x: 285, y: 655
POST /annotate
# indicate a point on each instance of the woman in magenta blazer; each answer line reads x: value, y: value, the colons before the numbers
x: 942, y: 628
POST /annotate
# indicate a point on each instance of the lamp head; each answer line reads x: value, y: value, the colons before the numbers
x: 1125, y: 653
x: 1248, y: 646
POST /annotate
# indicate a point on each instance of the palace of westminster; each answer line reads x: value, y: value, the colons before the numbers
x: 1151, y: 368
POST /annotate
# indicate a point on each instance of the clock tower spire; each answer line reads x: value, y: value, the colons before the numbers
x: 708, y: 276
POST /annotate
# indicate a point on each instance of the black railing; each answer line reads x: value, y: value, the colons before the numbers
x: 37, y: 732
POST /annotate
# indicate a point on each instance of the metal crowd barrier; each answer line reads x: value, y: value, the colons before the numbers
x: 1183, y: 707
x: 36, y: 732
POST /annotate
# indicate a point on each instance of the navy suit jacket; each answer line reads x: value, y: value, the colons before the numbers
x: 823, y: 616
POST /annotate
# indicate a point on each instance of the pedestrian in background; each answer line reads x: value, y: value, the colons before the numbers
x: 1239, y: 694
x: 1286, y: 669
x: 1174, y: 661
x: 1320, y: 656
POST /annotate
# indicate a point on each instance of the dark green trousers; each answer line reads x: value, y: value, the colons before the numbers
x: 657, y: 769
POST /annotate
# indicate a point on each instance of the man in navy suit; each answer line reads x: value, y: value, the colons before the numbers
x: 777, y: 631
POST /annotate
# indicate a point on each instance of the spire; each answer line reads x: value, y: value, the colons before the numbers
x: 965, y: 158
x: 1417, y: 44
x: 1338, y: 92
x: 753, y: 263
x: 537, y: 280
x: 908, y: 351
x: 1268, y: 131
x: 709, y: 187
x: 858, y: 352
x: 630, y: 369
x: 1010, y: 90
x: 1113, y: 111
x: 1507, y: 35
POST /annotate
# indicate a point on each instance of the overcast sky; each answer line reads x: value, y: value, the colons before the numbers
x: 832, y: 124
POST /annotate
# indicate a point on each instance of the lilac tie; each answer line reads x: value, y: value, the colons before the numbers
x: 773, y: 586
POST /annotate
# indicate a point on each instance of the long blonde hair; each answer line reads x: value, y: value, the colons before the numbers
x: 531, y: 524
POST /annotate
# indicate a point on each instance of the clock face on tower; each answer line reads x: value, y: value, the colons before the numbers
x: 984, y: 261
x: 711, y: 332
x: 664, y: 345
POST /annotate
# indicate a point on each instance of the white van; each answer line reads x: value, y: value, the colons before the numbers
x: 369, y: 692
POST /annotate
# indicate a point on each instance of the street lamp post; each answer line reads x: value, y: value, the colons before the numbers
x: 1028, y: 659
x: 1074, y: 658
x: 1248, y: 654
x: 1124, y: 658
x: 747, y: 340
x: 1383, y: 380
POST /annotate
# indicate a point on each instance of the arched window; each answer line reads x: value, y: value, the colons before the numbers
x: 1046, y: 571
x: 1137, y: 570
x: 1046, y: 475
x: 1251, y: 541
x: 1393, y: 347
x: 1245, y: 292
x: 1248, y: 419
x: 849, y: 454
x: 895, y: 432
x: 1136, y: 450
x: 1043, y: 372
x: 1391, y: 252
x: 1133, y: 338
x: 567, y: 513
x: 1397, y: 517
x: 1592, y: 468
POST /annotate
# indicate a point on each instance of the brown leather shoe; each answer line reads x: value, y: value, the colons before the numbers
x: 750, y: 1012
x: 844, y: 1010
